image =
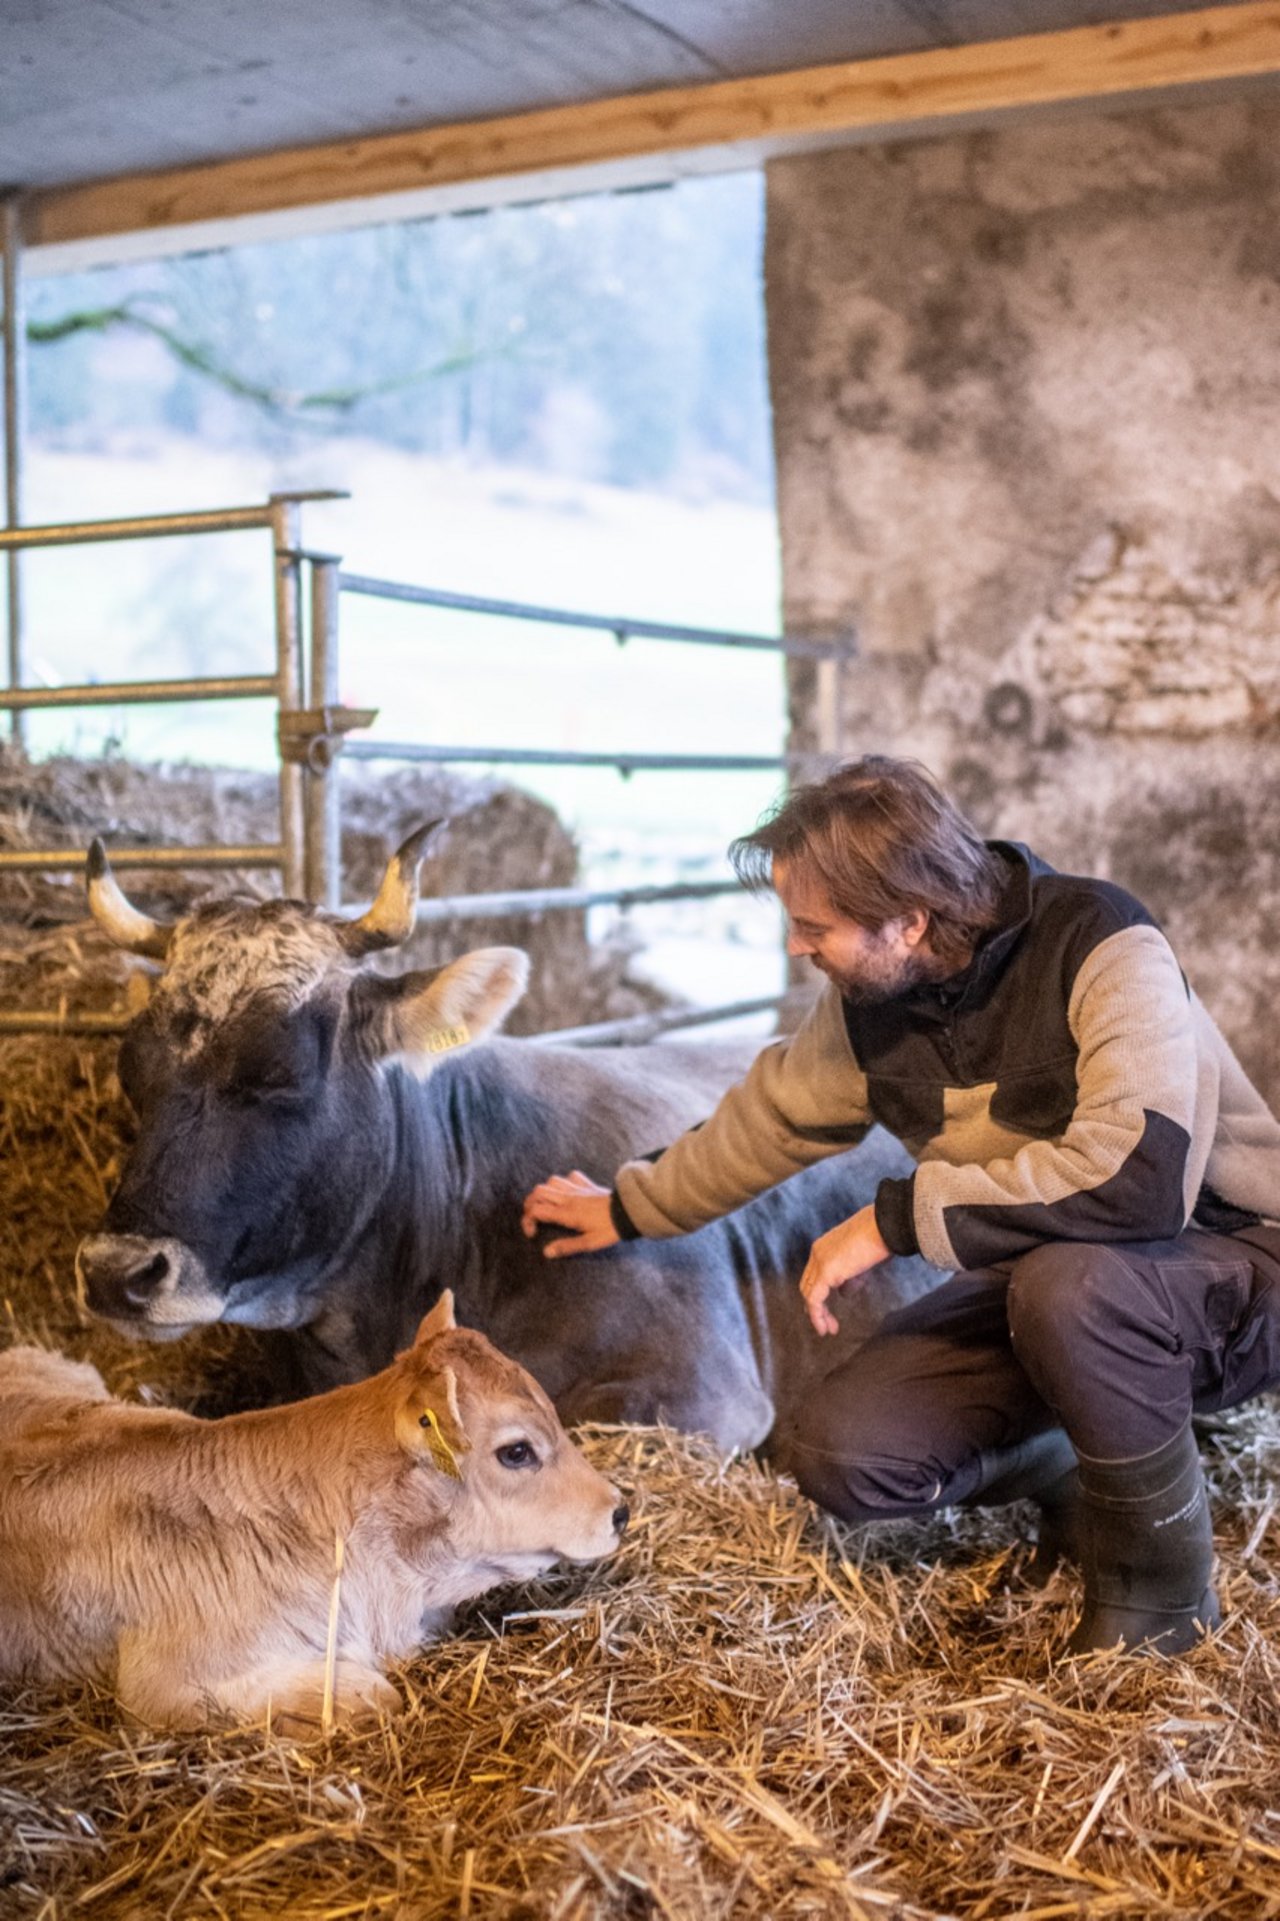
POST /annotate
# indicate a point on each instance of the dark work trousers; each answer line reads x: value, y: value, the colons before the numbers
x: 1116, y: 1344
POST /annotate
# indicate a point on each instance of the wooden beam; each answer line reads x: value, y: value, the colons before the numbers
x: 743, y: 119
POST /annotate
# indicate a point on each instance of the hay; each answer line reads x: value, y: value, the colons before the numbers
x: 750, y: 1713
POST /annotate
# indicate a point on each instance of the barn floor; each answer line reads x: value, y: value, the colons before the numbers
x: 750, y: 1713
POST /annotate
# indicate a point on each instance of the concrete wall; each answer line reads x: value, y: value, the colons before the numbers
x: 1027, y: 412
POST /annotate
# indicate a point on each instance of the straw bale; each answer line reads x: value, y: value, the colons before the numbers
x: 497, y: 839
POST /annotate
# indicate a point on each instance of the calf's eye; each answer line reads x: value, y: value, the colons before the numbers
x: 517, y: 1454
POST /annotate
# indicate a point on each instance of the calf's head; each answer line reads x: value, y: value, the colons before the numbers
x: 257, y: 1072
x: 516, y: 1493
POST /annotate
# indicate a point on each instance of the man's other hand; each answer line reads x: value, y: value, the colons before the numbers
x: 840, y: 1255
x: 571, y: 1200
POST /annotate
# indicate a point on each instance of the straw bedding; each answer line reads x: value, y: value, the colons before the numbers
x: 750, y: 1712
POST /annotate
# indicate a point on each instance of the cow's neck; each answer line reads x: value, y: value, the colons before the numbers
x: 464, y: 1147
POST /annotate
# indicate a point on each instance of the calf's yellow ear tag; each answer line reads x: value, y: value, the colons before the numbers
x: 438, y: 1448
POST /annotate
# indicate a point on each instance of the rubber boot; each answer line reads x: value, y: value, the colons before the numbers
x: 1040, y: 1469
x: 1148, y: 1551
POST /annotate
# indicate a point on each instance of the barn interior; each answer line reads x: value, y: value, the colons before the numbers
x: 1021, y: 287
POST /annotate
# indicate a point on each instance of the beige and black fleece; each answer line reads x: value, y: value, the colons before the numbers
x: 1067, y: 1086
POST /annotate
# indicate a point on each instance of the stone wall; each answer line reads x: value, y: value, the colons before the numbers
x: 1027, y: 410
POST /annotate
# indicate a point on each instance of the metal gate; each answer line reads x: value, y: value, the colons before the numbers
x: 312, y: 729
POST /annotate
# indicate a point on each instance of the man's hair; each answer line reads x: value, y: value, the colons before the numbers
x: 882, y: 839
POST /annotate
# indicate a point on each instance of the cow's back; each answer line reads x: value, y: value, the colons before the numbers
x: 538, y: 1109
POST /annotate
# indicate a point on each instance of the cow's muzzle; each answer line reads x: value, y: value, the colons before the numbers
x: 146, y: 1284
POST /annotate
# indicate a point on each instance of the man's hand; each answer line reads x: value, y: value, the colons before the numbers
x: 571, y: 1200
x: 840, y: 1255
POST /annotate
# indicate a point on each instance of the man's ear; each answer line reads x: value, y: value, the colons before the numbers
x: 439, y: 1321
x: 915, y: 926
x: 429, y: 1423
x: 420, y: 1016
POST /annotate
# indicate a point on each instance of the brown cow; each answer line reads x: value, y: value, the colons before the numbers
x: 268, y: 1565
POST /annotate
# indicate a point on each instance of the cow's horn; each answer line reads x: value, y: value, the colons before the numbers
x: 390, y: 919
x: 116, y: 916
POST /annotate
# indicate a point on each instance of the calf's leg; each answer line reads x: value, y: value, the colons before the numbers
x: 291, y: 1696
x: 159, y: 1679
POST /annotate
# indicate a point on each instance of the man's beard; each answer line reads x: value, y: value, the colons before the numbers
x: 883, y: 976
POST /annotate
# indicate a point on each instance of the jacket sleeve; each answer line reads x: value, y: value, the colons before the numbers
x: 803, y: 1099
x: 1119, y: 1171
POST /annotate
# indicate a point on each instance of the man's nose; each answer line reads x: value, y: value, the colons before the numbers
x: 797, y: 946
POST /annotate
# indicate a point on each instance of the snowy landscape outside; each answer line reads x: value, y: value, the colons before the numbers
x: 565, y: 405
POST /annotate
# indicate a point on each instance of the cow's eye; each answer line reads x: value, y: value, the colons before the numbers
x: 518, y: 1454
x: 277, y: 1087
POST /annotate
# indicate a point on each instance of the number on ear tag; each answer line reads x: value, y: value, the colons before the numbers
x: 442, y: 1039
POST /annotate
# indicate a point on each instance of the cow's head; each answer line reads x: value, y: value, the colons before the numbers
x: 257, y: 1073
x: 513, y: 1492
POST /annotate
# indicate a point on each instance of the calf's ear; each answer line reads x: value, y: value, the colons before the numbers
x: 439, y: 1321
x: 420, y: 1016
x: 429, y: 1423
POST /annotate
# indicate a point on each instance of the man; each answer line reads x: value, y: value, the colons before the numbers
x: 1091, y: 1158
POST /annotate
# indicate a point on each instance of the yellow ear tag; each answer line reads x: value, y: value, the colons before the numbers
x: 438, y: 1448
x: 442, y: 1039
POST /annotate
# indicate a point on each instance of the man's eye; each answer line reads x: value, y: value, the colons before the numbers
x: 517, y: 1454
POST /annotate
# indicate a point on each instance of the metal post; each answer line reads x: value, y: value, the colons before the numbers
x: 324, y: 823
x: 833, y: 709
x: 14, y: 435
x: 285, y: 527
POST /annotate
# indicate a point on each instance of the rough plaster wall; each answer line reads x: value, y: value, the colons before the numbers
x: 1027, y: 410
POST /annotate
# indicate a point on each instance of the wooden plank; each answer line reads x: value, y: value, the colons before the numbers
x: 750, y: 118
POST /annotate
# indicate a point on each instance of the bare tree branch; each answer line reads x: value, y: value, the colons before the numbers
x: 273, y: 400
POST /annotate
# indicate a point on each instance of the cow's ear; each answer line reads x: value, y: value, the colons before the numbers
x: 137, y: 991
x: 429, y: 1424
x: 418, y: 1017
x: 439, y: 1321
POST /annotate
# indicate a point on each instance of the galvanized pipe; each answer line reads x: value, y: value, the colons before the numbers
x: 15, y: 434
x: 86, y: 533
x: 544, y: 900
x: 63, y: 860
x: 551, y: 757
x: 602, y: 1034
x: 207, y: 520
x: 134, y: 693
x: 285, y: 518
x: 323, y: 776
x: 646, y: 1027
x: 620, y: 627
x: 42, y: 1021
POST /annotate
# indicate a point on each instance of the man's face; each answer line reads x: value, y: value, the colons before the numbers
x: 866, y: 964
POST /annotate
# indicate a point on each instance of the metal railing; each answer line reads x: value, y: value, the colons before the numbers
x: 279, y: 516
x: 333, y: 581
x: 311, y: 736
x: 622, y: 629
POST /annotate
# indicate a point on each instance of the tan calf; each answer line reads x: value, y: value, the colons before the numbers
x: 193, y: 1565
